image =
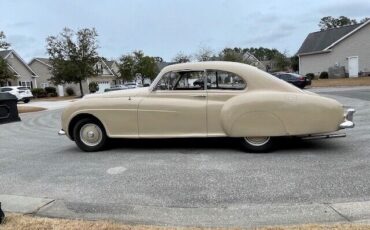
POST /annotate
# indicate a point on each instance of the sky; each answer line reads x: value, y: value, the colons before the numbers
x: 165, y: 27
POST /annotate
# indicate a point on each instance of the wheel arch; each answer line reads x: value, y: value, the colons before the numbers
x: 79, y: 117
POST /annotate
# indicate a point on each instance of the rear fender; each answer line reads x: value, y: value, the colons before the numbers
x: 252, y: 114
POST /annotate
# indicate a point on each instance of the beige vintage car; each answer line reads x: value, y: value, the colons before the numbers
x: 205, y: 99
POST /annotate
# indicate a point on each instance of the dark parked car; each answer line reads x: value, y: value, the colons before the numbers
x: 293, y: 78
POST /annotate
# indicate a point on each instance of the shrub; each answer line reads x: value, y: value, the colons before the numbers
x: 70, y: 91
x: 93, y: 87
x: 38, y: 92
x: 51, y: 90
x: 310, y: 76
x: 324, y: 75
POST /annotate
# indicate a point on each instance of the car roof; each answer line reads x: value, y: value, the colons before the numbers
x: 256, y: 78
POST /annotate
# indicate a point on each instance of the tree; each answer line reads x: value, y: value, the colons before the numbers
x: 137, y: 63
x: 364, y: 20
x: 147, y: 67
x: 5, y: 73
x: 181, y: 58
x: 126, y: 67
x: 73, y: 56
x: 233, y: 55
x: 281, y: 60
x: 294, y: 63
x: 205, y: 54
x: 3, y: 43
x: 329, y: 22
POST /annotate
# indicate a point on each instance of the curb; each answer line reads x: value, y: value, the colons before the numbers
x: 249, y: 215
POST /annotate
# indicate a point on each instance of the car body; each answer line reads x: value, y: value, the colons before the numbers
x: 238, y: 101
x: 21, y: 92
x: 298, y: 80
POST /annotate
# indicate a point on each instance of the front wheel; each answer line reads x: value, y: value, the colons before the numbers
x: 257, y: 144
x: 89, y: 135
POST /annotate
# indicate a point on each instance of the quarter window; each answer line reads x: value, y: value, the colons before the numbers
x: 224, y: 80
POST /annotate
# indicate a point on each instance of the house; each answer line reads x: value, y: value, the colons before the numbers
x: 106, y: 75
x: 343, y: 51
x: 25, y: 76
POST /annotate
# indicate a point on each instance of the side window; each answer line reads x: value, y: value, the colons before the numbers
x: 167, y: 81
x: 224, y: 80
x: 190, y: 80
x: 288, y: 77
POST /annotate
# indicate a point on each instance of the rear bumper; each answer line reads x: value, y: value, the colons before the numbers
x: 348, y: 119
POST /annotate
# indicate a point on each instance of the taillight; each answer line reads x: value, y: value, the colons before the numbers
x: 301, y: 78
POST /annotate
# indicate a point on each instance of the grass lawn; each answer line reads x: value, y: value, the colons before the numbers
x: 16, y: 221
x: 28, y: 109
x: 360, y: 81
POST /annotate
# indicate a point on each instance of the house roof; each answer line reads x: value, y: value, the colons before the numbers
x: 6, y: 53
x: 321, y: 41
x: 44, y: 61
x: 109, y: 63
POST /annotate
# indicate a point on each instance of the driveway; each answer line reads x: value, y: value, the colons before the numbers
x: 203, y: 182
x: 50, y: 105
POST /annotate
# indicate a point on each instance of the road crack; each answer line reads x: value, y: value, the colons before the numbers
x: 340, y: 214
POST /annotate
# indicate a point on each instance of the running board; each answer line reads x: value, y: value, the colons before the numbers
x: 323, y: 136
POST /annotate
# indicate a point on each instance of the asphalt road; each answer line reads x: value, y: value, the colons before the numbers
x: 185, y: 173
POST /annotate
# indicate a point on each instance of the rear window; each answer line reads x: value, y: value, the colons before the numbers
x: 23, y: 88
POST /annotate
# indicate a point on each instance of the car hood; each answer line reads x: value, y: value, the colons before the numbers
x: 120, y: 93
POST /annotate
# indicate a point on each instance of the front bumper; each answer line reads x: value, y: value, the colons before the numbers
x: 348, y: 119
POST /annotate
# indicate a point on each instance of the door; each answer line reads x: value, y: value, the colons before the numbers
x: 353, y: 66
x: 221, y: 86
x: 176, y: 107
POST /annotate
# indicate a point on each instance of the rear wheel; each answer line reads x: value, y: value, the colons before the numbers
x: 257, y: 144
x: 89, y: 135
x: 26, y: 100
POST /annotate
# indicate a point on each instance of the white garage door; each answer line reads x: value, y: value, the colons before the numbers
x: 103, y: 85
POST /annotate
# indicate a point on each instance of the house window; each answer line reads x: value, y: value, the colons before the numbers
x: 26, y: 84
x: 44, y: 85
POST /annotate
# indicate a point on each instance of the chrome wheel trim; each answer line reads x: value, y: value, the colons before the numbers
x: 257, y: 141
x: 91, y: 134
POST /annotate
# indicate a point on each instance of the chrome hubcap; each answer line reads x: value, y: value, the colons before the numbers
x: 91, y: 134
x: 257, y: 141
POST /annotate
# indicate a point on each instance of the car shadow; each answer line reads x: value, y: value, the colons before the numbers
x: 174, y: 143
x: 191, y: 145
